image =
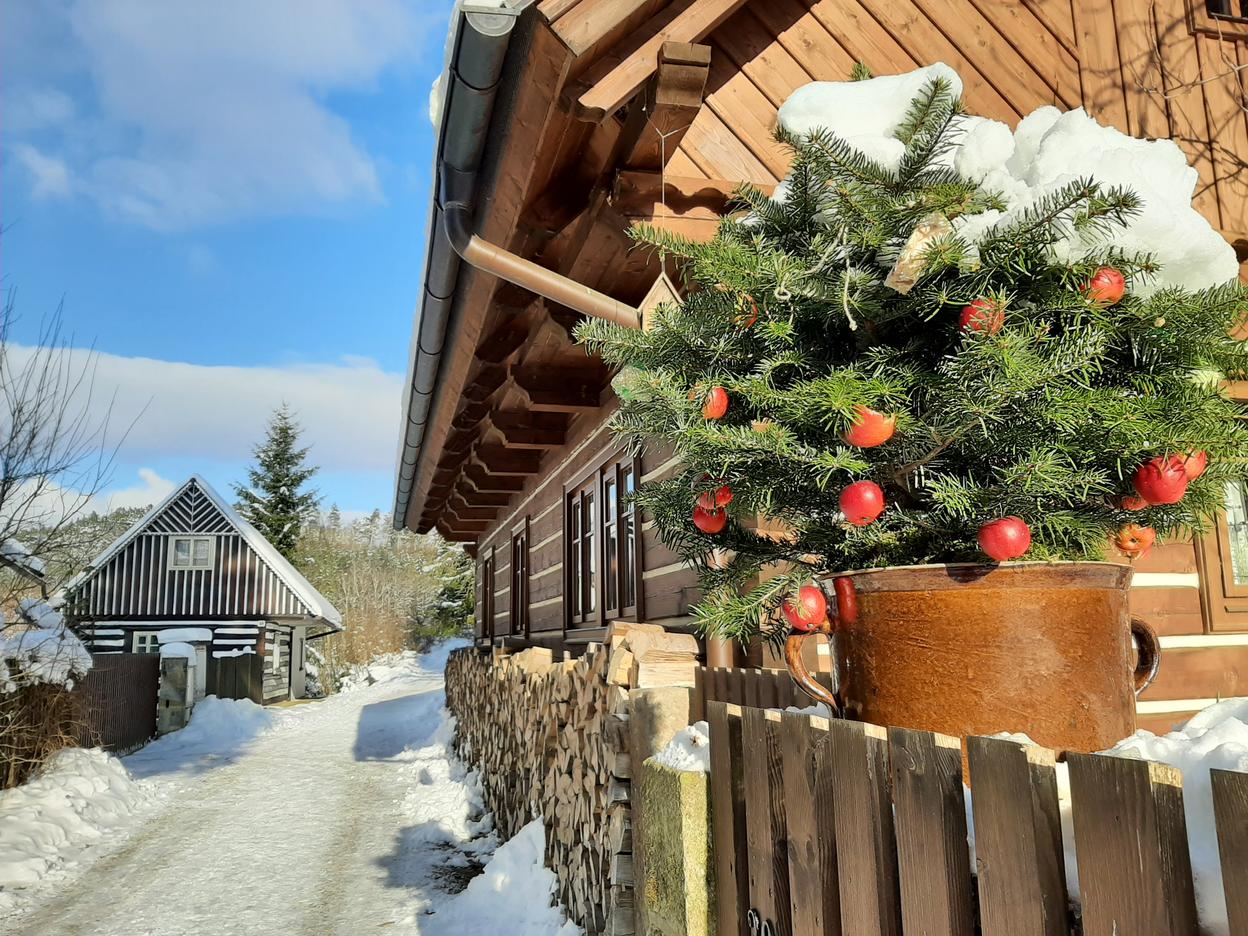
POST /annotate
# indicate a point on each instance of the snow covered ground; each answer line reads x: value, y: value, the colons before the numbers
x: 343, y: 816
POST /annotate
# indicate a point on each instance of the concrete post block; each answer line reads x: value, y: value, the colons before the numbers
x: 677, y: 892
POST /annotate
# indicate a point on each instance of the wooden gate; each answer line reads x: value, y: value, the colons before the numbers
x: 237, y: 677
x: 116, y: 700
x: 834, y: 827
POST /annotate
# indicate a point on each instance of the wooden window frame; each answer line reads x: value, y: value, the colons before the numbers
x: 519, y: 578
x: 193, y: 565
x: 139, y: 637
x: 594, y: 481
x: 487, y: 594
x: 1219, y: 25
x: 1223, y: 600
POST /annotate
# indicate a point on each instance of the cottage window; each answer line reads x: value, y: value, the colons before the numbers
x: 520, y: 580
x: 602, y: 531
x: 191, y: 552
x: 485, y: 606
x: 276, y: 647
x: 1222, y: 553
x: 146, y: 642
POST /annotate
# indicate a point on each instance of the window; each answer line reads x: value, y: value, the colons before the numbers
x: 602, y: 531
x: 191, y: 552
x: 520, y: 580
x: 486, y: 605
x: 1225, y: 19
x: 275, y: 649
x: 1222, y: 553
x: 146, y: 642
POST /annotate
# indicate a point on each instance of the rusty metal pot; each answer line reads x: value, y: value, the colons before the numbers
x: 1042, y: 648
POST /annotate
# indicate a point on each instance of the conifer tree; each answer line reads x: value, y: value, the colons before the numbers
x: 275, y: 499
x: 878, y: 391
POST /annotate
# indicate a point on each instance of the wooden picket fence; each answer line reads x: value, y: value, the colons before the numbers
x: 765, y: 688
x: 840, y: 828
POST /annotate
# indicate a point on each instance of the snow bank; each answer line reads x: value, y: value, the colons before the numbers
x: 217, y: 727
x: 76, y: 800
x: 689, y: 750
x: 514, y: 894
x: 445, y: 802
x: 1047, y: 150
x: 184, y: 635
x: 45, y: 652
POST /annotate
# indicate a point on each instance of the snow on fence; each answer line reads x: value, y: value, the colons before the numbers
x: 831, y: 826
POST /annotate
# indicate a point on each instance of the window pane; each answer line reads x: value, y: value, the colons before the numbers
x: 608, y: 491
x: 629, y: 486
x: 574, y: 557
x: 202, y: 551
x: 590, y: 555
x: 1237, y: 525
x: 628, y: 564
x: 612, y: 567
x: 181, y: 552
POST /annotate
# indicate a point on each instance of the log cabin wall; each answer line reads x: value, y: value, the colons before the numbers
x: 570, y: 173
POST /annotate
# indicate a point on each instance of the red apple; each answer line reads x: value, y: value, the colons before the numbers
x: 1134, y: 540
x: 986, y: 315
x: 1161, y: 480
x: 716, y: 403
x: 1006, y: 538
x: 710, y: 521
x: 870, y: 428
x: 1106, y: 286
x: 720, y: 497
x: 1195, y: 464
x: 862, y: 502
x: 808, y: 609
x: 1132, y: 502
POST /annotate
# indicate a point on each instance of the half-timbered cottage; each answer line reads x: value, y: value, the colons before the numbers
x: 193, y: 571
x: 563, y: 122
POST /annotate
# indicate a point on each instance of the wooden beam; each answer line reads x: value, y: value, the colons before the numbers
x: 503, y: 460
x: 556, y: 390
x: 636, y: 194
x: 474, y: 528
x: 693, y: 22
x: 526, y: 430
x: 482, y: 498
x: 487, y: 380
x: 463, y: 511
x: 503, y: 340
x: 662, y: 112
x: 454, y: 536
x: 470, y: 415
x: 481, y: 480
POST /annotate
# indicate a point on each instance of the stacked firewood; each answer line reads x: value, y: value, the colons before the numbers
x: 550, y: 739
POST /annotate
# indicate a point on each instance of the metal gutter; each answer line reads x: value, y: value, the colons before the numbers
x: 481, y: 36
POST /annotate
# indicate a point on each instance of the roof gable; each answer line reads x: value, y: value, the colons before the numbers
x: 196, y: 508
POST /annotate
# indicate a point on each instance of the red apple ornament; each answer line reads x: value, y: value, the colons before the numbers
x: 807, y: 609
x: 1004, y: 539
x: 710, y: 521
x: 1106, y: 286
x: 716, y: 403
x: 1132, y: 502
x: 1134, y: 540
x: 720, y: 497
x: 984, y: 315
x: 870, y: 428
x: 862, y: 502
x: 1161, y: 480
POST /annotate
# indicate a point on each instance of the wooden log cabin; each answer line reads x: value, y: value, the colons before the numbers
x: 193, y: 571
x: 563, y: 122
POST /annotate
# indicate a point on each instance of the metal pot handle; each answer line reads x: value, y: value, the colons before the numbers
x: 1148, y: 649
x: 846, y: 613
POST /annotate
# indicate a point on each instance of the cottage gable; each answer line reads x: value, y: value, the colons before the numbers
x: 193, y: 556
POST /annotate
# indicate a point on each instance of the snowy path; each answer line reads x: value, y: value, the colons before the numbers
x: 337, y: 820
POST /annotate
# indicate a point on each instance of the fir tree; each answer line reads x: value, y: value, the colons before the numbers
x: 275, y: 499
x: 1004, y: 383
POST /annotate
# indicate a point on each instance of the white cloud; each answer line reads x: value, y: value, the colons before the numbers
x: 209, y: 112
x: 349, y: 410
x: 49, y: 175
x: 150, y: 489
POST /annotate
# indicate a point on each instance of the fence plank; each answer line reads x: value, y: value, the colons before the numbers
x: 764, y: 817
x: 813, y: 894
x: 933, y: 860
x: 728, y: 819
x: 1018, y: 839
x: 1230, y: 810
x: 866, y: 851
x: 749, y: 681
x: 1131, y: 844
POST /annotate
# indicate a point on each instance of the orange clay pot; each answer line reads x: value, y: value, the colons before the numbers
x: 1037, y: 647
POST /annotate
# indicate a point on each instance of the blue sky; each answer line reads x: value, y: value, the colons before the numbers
x: 231, y: 201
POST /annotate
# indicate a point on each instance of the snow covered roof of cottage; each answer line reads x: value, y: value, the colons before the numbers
x: 225, y: 516
x: 19, y: 558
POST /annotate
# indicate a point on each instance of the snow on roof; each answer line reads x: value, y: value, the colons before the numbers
x: 280, y: 565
